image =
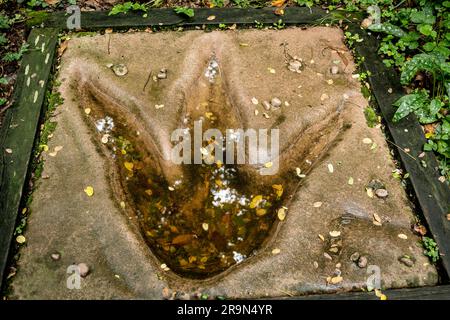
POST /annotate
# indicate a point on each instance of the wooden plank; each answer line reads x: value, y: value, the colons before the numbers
x: 422, y: 293
x: 19, y: 130
x: 167, y: 17
x: 432, y: 195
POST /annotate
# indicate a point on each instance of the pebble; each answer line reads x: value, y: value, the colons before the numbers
x: 84, y: 269
x: 362, y: 262
x: 55, y: 256
x: 355, y: 257
x: 266, y: 105
x: 275, y: 103
x: 406, y: 261
x: 120, y: 69
x: 162, y: 74
x: 381, y: 193
x: 334, y: 70
x: 295, y: 66
x: 366, y: 23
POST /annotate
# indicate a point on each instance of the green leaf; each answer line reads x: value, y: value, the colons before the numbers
x: 408, y: 104
x: 427, y: 30
x: 3, y: 81
x: 427, y: 114
x: 184, y: 11
x: 422, y: 17
x: 429, y: 46
x: 423, y: 61
x: 388, y: 29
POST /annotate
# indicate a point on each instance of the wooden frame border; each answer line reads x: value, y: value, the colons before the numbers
x: 20, y: 126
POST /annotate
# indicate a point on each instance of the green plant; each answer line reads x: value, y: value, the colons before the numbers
x: 259, y: 25
x: 279, y: 24
x: 431, y: 249
x: 127, y: 7
x: 241, y: 3
x: 3, y: 39
x: 15, y: 56
x: 222, y: 26
x: 189, y: 12
x: 37, y: 3
x: 5, y: 22
x: 216, y: 3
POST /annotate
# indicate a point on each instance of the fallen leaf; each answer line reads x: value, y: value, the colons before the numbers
x: 317, y: 204
x: 369, y: 192
x: 87, y: 111
x: 159, y: 106
x: 149, y: 192
x: 255, y: 201
x: 255, y: 101
x: 278, y: 3
x: 260, y: 212
x: 210, y: 18
x: 367, y: 141
x: 89, y: 191
x: 335, y: 234
x: 271, y: 70
x: 7, y: 150
x: 268, y: 164
x: 122, y: 204
x: 205, y: 226
x: 128, y: 165
x: 402, y: 236
x: 350, y: 181
x: 21, y: 239
x: 279, y: 11
x: 105, y: 138
x: 330, y: 168
x: 62, y: 47
x: 376, y: 217
x: 321, y: 237
x: 281, y: 214
x: 276, y: 251
x: 182, y: 239
x: 336, y: 280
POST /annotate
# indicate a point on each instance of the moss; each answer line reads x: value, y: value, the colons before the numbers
x: 36, y: 17
x: 371, y: 117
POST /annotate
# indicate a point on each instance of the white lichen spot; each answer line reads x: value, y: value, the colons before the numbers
x: 36, y: 40
x: 27, y: 69
x: 36, y: 94
x: 47, y: 57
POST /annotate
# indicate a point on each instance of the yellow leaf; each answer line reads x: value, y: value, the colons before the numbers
x: 128, y: 165
x: 261, y: 212
x: 89, y: 191
x: 149, y: 192
x: 255, y: 201
x: 278, y: 3
x: 192, y: 259
x: 281, y: 214
x: 278, y: 189
x: 268, y: 165
x: 21, y: 239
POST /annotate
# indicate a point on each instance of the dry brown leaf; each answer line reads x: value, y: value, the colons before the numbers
x: 278, y: 3
x: 182, y: 239
x: 63, y: 47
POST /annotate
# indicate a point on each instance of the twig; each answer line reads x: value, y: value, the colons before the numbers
x: 6, y: 106
x: 146, y: 82
x: 109, y: 44
x: 401, y: 149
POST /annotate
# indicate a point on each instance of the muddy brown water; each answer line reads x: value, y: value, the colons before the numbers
x: 211, y: 216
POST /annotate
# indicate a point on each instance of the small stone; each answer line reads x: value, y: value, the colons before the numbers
x: 55, y: 256
x: 295, y: 66
x: 83, y: 268
x: 324, y: 97
x: 120, y: 69
x: 366, y: 23
x: 334, y: 70
x: 362, y: 262
x: 275, y: 103
x: 266, y: 105
x: 355, y: 257
x: 381, y: 193
x: 407, y: 261
x: 162, y: 74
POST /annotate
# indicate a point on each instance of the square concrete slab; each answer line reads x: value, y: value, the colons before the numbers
x: 330, y: 219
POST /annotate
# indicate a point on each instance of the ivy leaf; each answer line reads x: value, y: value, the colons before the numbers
x: 388, y: 29
x: 408, y: 104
